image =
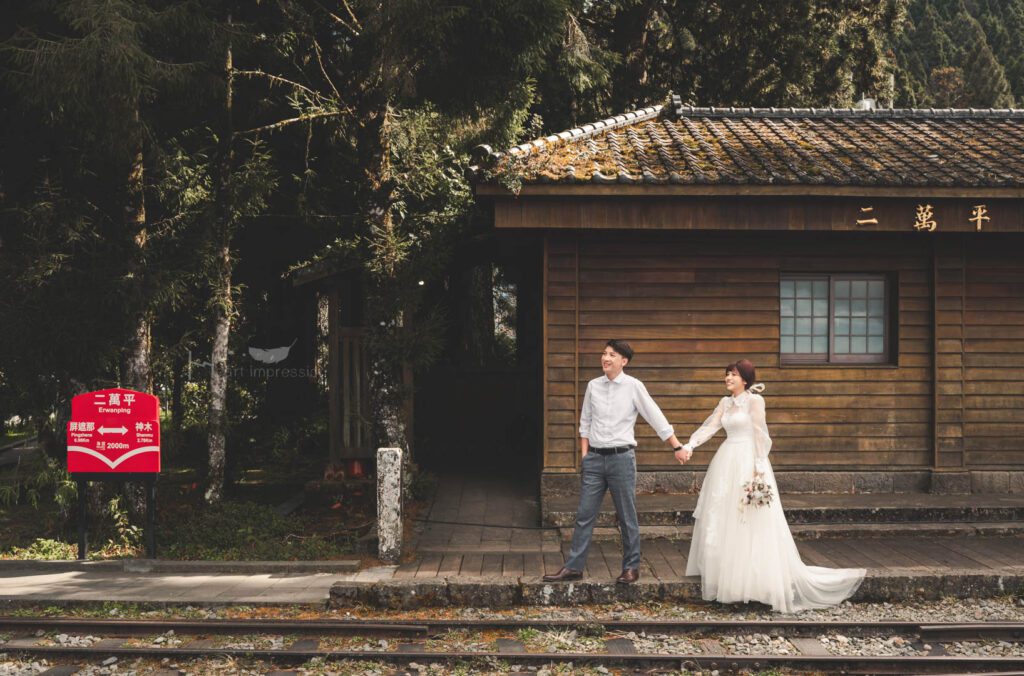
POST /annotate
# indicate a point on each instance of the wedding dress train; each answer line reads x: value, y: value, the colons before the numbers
x: 748, y: 554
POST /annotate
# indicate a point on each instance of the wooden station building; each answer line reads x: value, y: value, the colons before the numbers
x: 869, y: 262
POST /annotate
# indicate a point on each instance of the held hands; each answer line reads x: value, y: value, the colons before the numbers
x: 684, y: 454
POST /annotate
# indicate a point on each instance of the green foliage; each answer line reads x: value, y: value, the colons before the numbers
x: 346, y: 146
x: 37, y: 475
x: 96, y: 71
x: 245, y: 531
x: 961, y: 54
x: 527, y: 634
x: 422, y: 485
x: 43, y: 548
x: 128, y: 537
x: 615, y: 56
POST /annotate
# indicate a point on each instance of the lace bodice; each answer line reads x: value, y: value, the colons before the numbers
x: 743, y: 417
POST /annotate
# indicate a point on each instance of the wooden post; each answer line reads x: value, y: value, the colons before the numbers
x: 935, y: 353
x: 151, y: 516
x: 577, y: 459
x: 82, y: 541
x: 334, y: 411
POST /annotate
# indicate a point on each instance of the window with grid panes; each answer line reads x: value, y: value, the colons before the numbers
x: 838, y: 318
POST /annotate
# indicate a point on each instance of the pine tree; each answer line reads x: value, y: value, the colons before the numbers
x: 986, y: 84
x: 983, y: 40
x: 359, y: 75
x: 92, y: 72
x: 811, y: 52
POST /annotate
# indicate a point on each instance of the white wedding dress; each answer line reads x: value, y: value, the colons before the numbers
x: 748, y: 554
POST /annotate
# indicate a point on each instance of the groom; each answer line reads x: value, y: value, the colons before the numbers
x: 609, y: 413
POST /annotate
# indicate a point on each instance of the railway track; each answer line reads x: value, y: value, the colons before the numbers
x: 496, y: 644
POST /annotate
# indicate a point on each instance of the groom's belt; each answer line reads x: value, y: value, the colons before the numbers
x: 612, y: 450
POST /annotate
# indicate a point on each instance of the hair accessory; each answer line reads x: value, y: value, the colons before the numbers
x: 757, y: 388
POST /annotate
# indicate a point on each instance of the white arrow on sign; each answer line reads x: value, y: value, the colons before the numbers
x: 119, y: 430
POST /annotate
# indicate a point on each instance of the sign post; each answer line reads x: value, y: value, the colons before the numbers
x: 114, y: 435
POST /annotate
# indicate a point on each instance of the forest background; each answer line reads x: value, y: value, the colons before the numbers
x: 167, y: 167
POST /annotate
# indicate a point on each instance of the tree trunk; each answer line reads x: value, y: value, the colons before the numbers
x: 217, y: 430
x: 222, y: 303
x: 478, y: 315
x: 138, y: 372
x: 384, y: 314
x: 177, y: 396
x: 138, y: 375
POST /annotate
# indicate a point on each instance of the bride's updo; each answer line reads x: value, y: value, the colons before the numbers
x: 745, y: 368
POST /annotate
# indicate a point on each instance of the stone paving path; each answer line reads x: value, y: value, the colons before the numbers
x: 263, y: 589
x: 485, y: 514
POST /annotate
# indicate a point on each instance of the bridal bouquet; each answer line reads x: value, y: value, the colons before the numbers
x: 757, y: 492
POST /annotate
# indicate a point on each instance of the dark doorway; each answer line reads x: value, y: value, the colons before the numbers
x: 479, y: 409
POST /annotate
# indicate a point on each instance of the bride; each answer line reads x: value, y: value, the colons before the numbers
x: 747, y: 553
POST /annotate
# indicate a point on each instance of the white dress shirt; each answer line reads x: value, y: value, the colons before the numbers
x: 610, y: 408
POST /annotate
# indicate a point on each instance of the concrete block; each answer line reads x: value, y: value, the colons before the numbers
x: 911, y: 482
x: 391, y: 594
x: 990, y: 482
x: 795, y: 482
x: 686, y: 590
x: 389, y: 504
x: 833, y: 482
x: 667, y: 482
x: 951, y: 483
x: 536, y: 592
x: 484, y: 592
x: 873, y: 482
x: 560, y: 484
x: 932, y: 587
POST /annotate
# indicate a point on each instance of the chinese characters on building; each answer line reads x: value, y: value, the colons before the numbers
x: 924, y: 217
x: 867, y: 221
x: 978, y: 214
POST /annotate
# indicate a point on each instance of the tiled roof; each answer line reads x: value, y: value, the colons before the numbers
x: 682, y: 145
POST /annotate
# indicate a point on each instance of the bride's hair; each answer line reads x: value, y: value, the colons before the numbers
x: 745, y: 368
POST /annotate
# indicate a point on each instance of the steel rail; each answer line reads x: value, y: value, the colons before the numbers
x: 431, y: 626
x: 847, y: 663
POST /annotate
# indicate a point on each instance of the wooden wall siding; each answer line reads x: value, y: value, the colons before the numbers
x: 753, y: 213
x: 948, y: 269
x: 561, y: 358
x: 993, y: 358
x: 692, y: 302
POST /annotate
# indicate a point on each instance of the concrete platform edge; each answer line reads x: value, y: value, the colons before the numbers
x: 9, y: 603
x: 891, y: 586
x: 38, y: 566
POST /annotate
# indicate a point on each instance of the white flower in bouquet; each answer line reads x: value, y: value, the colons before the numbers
x: 757, y: 492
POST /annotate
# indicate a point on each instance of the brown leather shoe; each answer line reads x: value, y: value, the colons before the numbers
x: 629, y: 576
x: 564, y: 575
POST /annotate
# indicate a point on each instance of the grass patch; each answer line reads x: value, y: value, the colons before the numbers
x: 43, y: 548
x: 245, y: 531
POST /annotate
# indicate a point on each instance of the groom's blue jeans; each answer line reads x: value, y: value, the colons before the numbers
x: 600, y: 473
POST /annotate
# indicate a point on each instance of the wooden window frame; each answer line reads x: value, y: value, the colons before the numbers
x: 831, y: 358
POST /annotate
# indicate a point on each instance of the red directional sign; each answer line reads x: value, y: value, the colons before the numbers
x: 114, y: 431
